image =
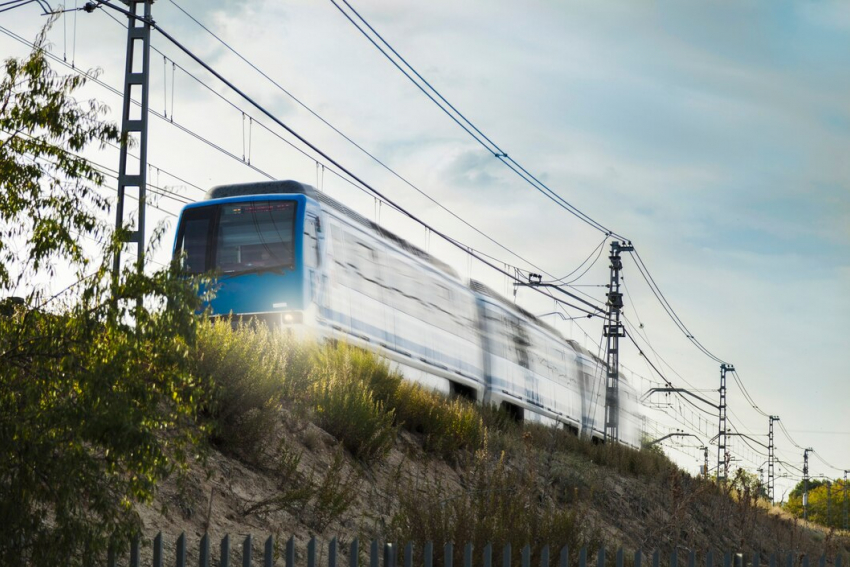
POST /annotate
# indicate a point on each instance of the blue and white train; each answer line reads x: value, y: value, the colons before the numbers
x: 292, y: 256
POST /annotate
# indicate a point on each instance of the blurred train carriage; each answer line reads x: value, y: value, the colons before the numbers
x: 292, y: 256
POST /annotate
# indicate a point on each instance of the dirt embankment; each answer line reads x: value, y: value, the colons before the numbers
x: 523, y: 484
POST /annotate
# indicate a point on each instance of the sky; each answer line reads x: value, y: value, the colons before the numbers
x: 713, y: 136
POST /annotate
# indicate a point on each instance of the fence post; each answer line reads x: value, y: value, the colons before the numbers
x: 428, y: 554
x: 727, y: 559
x: 373, y: 554
x: 674, y: 558
x: 772, y: 561
x: 656, y: 558
x: 467, y: 555
x: 224, y: 558
x: 134, y: 552
x: 582, y: 557
x: 488, y: 555
x: 331, y: 553
x: 638, y: 557
x: 805, y: 561
x: 544, y: 556
x: 246, y: 551
x: 525, y: 556
x: 823, y: 560
x: 756, y: 559
x: 692, y: 558
x: 506, y: 555
x: 564, y: 558
x: 600, y: 557
x: 268, y: 556
x: 110, y: 554
x: 290, y: 552
x: 388, y: 555
x: 448, y: 554
x: 180, y: 560
x: 837, y: 560
x: 353, y: 553
x: 204, y: 551
x: 157, y: 550
x: 408, y: 554
x: 619, y: 558
x: 709, y: 559
x: 311, y: 552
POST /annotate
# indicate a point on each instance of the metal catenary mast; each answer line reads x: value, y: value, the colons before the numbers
x: 771, y: 459
x: 806, y: 484
x: 136, y: 83
x: 613, y: 331
x: 722, y: 456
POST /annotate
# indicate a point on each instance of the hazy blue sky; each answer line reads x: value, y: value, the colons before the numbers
x: 715, y: 136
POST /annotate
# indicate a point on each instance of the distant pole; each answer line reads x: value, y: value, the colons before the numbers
x: 828, y: 503
x: 613, y: 331
x: 771, y: 459
x: 136, y: 82
x: 722, y: 457
x: 806, y: 484
x: 845, y: 500
x: 705, y: 458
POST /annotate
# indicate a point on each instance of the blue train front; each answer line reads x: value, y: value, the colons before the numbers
x: 263, y: 240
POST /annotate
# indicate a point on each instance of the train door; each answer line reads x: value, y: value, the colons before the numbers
x: 312, y: 258
x: 527, y: 381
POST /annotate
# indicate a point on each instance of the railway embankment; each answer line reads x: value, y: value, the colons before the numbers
x: 329, y: 442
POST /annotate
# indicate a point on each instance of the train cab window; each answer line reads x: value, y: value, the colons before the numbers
x: 311, y: 242
x: 193, y: 238
x: 255, y: 235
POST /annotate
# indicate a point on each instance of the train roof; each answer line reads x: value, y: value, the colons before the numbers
x: 298, y: 188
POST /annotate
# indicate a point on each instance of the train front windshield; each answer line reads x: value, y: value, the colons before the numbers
x: 238, y: 237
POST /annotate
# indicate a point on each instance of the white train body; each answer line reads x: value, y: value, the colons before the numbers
x: 350, y: 280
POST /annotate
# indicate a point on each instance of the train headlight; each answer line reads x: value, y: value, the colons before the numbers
x: 292, y: 317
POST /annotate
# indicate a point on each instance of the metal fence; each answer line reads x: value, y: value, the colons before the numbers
x: 391, y: 555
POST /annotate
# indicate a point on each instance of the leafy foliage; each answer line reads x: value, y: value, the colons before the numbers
x: 96, y: 400
x: 48, y: 193
x: 826, y: 502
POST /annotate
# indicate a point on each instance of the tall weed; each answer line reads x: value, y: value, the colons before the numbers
x: 253, y: 369
x: 448, y: 426
x: 345, y: 406
x: 497, y: 504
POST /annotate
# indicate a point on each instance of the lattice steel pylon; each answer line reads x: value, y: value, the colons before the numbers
x: 136, y: 82
x: 722, y: 457
x: 771, y: 459
x: 613, y: 331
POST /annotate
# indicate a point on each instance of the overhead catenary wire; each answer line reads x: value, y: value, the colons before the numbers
x: 251, y: 120
x: 233, y: 156
x: 458, y: 117
x: 353, y: 178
